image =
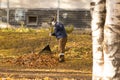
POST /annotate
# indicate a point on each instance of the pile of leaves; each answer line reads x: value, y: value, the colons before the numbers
x: 36, y: 60
x: 19, y: 45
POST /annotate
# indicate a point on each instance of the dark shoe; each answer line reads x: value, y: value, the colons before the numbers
x: 61, y: 58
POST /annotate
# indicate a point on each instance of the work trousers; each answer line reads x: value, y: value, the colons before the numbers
x: 61, y: 44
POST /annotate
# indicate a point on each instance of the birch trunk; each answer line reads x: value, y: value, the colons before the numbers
x: 112, y: 41
x: 98, y: 20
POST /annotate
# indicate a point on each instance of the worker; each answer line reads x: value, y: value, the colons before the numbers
x: 61, y: 35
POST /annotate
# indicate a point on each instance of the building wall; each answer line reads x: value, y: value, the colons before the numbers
x: 64, y: 4
x: 79, y: 18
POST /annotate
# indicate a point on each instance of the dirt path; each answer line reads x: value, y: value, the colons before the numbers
x: 41, y: 74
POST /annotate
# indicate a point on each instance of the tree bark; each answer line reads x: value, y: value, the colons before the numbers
x: 106, y: 39
x: 112, y: 41
x: 98, y: 21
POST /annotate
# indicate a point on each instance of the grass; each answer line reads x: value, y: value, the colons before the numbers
x: 78, y: 48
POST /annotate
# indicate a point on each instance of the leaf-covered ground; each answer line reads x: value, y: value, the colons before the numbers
x: 20, y: 50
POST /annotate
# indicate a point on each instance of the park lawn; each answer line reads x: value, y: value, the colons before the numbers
x: 78, y: 53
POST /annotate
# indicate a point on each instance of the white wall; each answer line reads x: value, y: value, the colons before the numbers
x: 66, y: 4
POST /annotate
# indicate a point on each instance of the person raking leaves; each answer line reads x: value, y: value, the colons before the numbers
x: 60, y: 33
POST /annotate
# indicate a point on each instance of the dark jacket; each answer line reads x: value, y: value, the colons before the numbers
x: 59, y: 30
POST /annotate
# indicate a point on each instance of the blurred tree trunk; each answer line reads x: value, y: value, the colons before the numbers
x: 112, y: 41
x: 106, y: 39
x: 98, y: 21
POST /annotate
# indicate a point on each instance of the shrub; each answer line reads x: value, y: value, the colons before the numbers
x: 69, y: 28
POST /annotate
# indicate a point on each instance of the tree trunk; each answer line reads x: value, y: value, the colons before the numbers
x: 106, y: 57
x: 98, y: 20
x: 112, y: 41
